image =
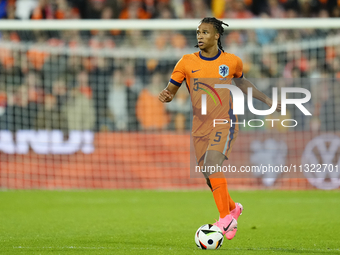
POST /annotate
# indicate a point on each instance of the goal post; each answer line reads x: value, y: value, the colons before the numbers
x: 171, y: 24
x: 79, y: 107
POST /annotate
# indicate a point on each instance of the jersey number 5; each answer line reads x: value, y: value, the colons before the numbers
x: 196, y: 84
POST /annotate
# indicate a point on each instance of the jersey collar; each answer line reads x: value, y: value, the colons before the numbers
x: 213, y: 58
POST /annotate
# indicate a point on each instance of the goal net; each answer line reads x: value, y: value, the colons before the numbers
x: 79, y: 104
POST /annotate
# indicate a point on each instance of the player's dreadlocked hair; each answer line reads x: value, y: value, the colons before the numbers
x: 218, y: 26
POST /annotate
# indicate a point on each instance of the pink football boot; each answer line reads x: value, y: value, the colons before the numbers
x: 235, y: 214
x: 226, y: 224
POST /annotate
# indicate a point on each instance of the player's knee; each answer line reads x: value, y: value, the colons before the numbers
x: 214, y: 158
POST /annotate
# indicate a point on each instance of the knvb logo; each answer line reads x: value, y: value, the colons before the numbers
x: 238, y: 98
x: 223, y: 70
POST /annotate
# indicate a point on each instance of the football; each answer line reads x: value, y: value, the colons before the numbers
x: 208, y: 237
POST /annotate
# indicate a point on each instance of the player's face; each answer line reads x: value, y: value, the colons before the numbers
x: 206, y: 36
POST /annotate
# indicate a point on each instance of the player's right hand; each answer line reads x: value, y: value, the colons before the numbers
x: 165, y: 96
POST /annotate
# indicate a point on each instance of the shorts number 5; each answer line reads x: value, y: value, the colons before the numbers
x: 218, y: 137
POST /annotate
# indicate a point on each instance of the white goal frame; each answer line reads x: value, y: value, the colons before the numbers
x: 171, y: 24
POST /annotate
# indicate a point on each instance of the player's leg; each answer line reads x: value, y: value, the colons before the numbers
x: 206, y: 175
x: 235, y: 208
x: 219, y: 189
x: 211, y: 158
x: 232, y: 204
x: 217, y: 181
x: 221, y: 140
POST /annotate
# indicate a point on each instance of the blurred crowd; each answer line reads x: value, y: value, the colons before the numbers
x: 41, y: 89
x: 162, y: 9
x: 166, y: 9
x: 66, y: 90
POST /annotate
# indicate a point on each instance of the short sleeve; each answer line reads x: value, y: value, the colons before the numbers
x: 239, y: 68
x: 178, y: 74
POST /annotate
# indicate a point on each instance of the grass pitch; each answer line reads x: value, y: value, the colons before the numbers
x: 160, y: 222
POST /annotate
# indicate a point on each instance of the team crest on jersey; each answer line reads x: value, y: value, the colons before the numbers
x: 223, y: 70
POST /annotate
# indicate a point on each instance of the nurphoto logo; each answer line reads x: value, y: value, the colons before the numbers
x: 238, y: 101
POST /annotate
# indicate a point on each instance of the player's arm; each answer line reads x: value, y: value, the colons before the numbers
x: 177, y: 77
x: 168, y: 93
x: 244, y: 84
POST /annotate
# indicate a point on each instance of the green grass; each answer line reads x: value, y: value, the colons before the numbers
x: 160, y: 222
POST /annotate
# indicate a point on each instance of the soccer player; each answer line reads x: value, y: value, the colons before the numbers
x: 201, y: 70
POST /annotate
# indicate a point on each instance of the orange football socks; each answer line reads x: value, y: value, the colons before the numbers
x: 232, y: 205
x: 221, y: 195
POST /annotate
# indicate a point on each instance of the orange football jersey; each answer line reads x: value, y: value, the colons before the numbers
x: 201, y: 74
